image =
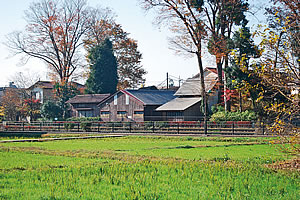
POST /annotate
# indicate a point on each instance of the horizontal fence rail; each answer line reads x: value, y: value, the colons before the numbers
x: 184, y: 127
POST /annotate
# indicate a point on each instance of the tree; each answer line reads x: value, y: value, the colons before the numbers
x: 2, y: 113
x: 279, y: 70
x: 63, y: 92
x: 25, y: 80
x: 12, y: 103
x: 103, y: 66
x: 50, y: 110
x: 53, y: 34
x: 238, y: 78
x: 103, y: 26
x: 221, y: 16
x: 31, y: 108
x: 184, y: 19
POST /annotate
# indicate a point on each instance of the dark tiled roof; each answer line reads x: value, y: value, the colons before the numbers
x: 152, y: 97
x: 88, y: 98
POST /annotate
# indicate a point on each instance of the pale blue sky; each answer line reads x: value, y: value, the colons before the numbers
x: 158, y: 59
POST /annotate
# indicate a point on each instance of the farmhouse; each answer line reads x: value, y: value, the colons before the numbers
x: 86, y: 105
x: 43, y: 90
x: 134, y: 105
x: 186, y: 105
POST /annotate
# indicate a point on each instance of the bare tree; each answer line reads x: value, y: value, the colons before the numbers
x: 184, y: 17
x: 53, y: 34
x: 24, y: 80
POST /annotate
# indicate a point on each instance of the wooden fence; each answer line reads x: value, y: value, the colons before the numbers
x: 226, y: 128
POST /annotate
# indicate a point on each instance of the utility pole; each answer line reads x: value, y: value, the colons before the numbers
x: 167, y: 81
x: 179, y: 81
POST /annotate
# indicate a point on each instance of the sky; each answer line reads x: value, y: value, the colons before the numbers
x: 158, y: 59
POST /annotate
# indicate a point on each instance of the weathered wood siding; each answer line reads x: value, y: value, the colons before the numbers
x: 121, y: 106
x: 193, y: 113
x: 75, y: 108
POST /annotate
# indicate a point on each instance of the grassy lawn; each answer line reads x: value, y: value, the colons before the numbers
x: 145, y: 168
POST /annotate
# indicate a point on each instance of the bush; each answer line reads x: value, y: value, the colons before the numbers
x: 50, y: 110
x: 81, y: 119
x: 233, y: 116
x: 160, y: 125
x: 86, y: 126
x: 215, y: 109
x: 69, y: 126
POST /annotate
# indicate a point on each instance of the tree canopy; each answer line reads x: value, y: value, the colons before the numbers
x: 103, y: 76
x: 56, y: 31
x: 130, y: 70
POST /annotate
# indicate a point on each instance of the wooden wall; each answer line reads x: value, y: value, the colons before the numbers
x: 121, y: 106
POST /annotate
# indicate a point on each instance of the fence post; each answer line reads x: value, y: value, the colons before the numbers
x: 153, y: 126
x: 40, y: 126
x: 98, y: 127
x: 263, y: 128
x: 129, y: 127
x: 113, y: 127
x: 23, y: 126
x: 78, y: 124
x: 177, y: 127
x: 233, y: 128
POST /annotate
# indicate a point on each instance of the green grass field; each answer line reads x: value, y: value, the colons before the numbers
x: 145, y: 168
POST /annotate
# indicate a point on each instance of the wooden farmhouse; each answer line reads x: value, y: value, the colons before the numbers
x: 86, y: 105
x: 43, y: 90
x: 134, y: 105
x: 186, y: 105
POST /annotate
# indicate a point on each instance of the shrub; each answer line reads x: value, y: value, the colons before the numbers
x: 86, y: 126
x: 81, y: 119
x: 69, y: 126
x: 160, y: 125
x: 233, y: 116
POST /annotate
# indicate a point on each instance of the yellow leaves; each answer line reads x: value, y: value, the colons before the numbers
x: 1, y: 111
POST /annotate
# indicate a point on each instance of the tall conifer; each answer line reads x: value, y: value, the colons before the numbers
x: 103, y: 76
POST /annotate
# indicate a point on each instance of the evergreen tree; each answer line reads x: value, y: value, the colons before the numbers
x: 103, y: 76
x: 237, y: 76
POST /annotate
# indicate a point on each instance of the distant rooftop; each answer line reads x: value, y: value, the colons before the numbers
x: 50, y: 84
x: 151, y: 97
x: 191, y: 87
x: 88, y: 98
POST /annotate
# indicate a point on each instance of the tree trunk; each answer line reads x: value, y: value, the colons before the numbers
x: 240, y: 101
x: 203, y: 93
x: 226, y: 103
x: 220, y: 80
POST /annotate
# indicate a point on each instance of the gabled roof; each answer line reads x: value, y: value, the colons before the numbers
x: 151, y: 97
x: 179, y: 104
x: 88, y: 98
x: 191, y: 87
x: 50, y: 85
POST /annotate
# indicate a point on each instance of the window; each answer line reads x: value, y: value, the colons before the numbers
x: 37, y: 96
x: 85, y: 113
x: 116, y: 100
x: 105, y: 113
x: 139, y: 112
x: 121, y: 113
x: 127, y: 99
